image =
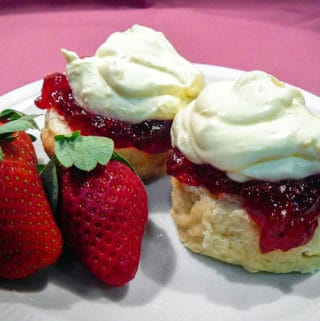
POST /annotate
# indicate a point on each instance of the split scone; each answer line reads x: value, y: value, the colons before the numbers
x: 147, y: 165
x: 130, y: 90
x: 245, y: 169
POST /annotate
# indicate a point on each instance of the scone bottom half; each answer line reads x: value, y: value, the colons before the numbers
x: 219, y: 227
x: 244, y: 223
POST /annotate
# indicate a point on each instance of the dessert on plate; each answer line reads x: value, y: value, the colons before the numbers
x: 245, y: 174
x: 130, y: 90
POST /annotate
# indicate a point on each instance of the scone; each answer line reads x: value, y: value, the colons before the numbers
x: 245, y: 179
x: 130, y: 91
x: 147, y: 165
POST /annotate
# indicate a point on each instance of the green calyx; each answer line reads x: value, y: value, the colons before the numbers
x: 49, y: 177
x: 14, y: 121
x: 83, y: 152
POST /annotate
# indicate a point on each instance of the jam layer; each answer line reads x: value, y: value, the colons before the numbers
x: 151, y: 136
x: 286, y: 211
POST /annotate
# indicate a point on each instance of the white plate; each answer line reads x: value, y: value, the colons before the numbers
x: 172, y: 283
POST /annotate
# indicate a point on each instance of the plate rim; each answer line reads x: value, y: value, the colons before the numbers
x: 31, y: 89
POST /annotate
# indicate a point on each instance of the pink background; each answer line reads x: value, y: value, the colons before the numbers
x: 280, y: 37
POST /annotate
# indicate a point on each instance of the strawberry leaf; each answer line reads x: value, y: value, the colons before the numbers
x: 32, y: 137
x: 10, y: 114
x: 7, y: 137
x: 21, y: 124
x: 40, y: 168
x: 84, y: 152
x: 120, y: 158
x: 49, y: 177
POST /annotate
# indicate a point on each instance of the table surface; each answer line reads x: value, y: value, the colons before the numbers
x: 280, y: 37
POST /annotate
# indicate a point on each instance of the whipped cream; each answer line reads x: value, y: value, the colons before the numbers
x: 253, y: 128
x: 134, y: 76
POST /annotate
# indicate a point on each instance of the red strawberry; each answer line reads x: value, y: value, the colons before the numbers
x: 102, y: 212
x: 29, y: 237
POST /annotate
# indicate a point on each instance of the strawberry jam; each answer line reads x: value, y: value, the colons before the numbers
x: 152, y: 136
x: 286, y: 211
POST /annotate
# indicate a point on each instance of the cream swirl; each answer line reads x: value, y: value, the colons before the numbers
x: 134, y: 76
x: 253, y: 128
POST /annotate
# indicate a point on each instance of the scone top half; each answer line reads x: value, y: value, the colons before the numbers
x: 129, y: 90
x: 252, y: 144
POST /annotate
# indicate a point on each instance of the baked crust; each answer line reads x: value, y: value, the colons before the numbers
x: 219, y: 227
x: 147, y: 166
x: 54, y: 124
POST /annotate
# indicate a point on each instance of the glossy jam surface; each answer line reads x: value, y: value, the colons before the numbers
x: 152, y: 136
x: 287, y: 211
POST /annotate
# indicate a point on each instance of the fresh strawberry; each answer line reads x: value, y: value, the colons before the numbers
x: 102, y: 208
x: 29, y: 238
